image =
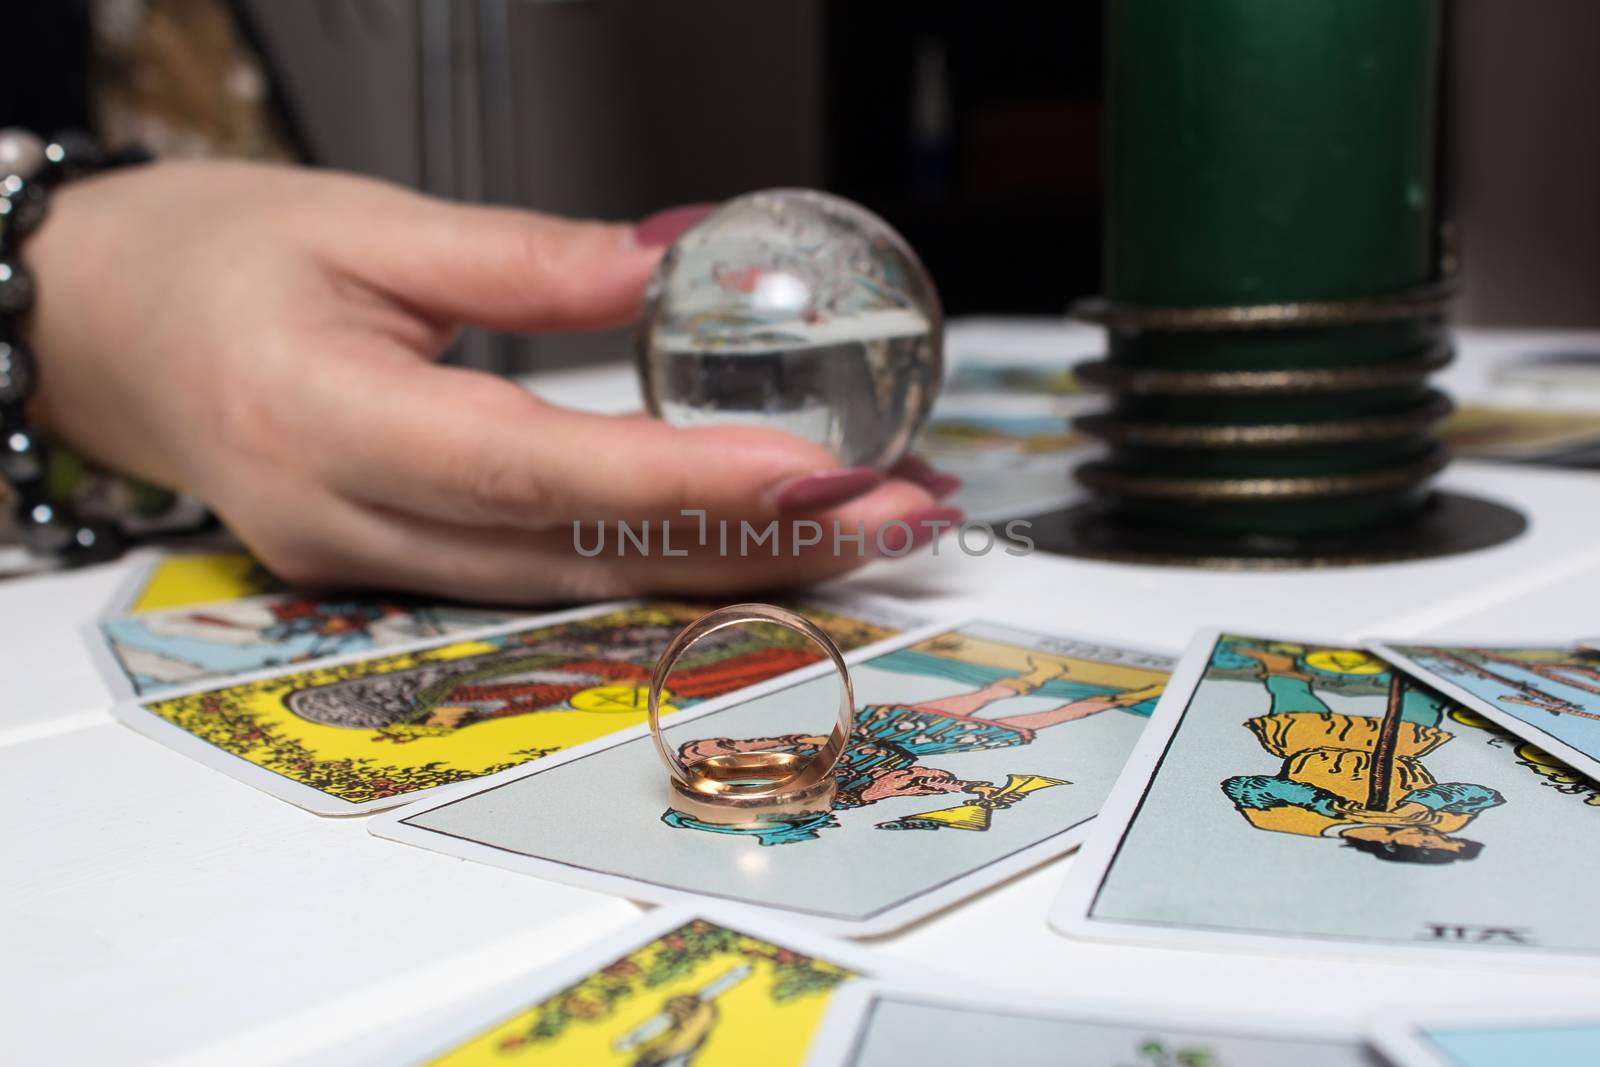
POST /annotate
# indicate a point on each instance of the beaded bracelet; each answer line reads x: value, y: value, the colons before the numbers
x: 29, y: 169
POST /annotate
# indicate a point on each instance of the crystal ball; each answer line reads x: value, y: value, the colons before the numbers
x: 797, y: 311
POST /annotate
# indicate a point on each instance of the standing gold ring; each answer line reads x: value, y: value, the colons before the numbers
x: 742, y: 787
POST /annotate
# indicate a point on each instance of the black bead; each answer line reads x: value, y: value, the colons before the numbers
x: 16, y: 374
x: 129, y: 156
x: 22, y: 211
x: 93, y: 542
x: 43, y: 528
x: 20, y: 456
x: 73, y: 153
x: 16, y: 288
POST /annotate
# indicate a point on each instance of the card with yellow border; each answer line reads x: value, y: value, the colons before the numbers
x: 358, y: 733
x: 711, y: 988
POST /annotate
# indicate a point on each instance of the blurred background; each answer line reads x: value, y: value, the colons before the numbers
x: 973, y: 128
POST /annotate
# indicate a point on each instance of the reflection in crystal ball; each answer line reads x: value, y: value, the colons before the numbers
x: 797, y: 311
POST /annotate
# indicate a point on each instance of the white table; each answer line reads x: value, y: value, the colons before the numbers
x: 154, y: 910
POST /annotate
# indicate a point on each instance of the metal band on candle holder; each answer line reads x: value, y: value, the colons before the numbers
x: 744, y: 787
x: 1118, y: 430
x: 1137, y: 380
x: 1420, y: 301
x: 1108, y: 479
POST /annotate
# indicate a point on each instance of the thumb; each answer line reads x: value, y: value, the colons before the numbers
x: 510, y: 269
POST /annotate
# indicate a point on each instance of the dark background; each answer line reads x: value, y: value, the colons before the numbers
x: 994, y: 176
x: 972, y: 127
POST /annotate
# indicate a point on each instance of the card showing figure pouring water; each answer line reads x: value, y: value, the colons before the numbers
x: 978, y: 751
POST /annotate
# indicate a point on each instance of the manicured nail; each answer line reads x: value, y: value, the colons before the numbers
x: 916, y: 529
x: 918, y: 471
x: 665, y: 227
x: 822, y: 489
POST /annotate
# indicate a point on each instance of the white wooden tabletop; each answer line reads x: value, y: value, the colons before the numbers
x: 154, y: 910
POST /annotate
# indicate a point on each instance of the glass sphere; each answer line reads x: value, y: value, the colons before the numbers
x: 797, y: 311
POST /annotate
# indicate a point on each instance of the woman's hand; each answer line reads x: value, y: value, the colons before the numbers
x: 264, y: 337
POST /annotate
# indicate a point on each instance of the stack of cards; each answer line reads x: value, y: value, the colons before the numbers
x: 1262, y: 792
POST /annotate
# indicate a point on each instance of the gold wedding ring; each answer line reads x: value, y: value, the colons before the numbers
x: 739, y: 788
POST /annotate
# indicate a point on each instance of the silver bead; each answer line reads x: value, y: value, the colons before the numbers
x: 21, y: 210
x: 16, y: 288
x: 16, y: 373
x: 93, y: 542
x: 20, y: 459
x: 21, y: 152
x: 74, y: 152
x: 43, y: 529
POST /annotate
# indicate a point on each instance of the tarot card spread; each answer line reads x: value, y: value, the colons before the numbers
x: 1547, y: 696
x: 1299, y: 791
x: 881, y: 1025
x: 994, y: 746
x: 677, y: 987
x: 376, y: 730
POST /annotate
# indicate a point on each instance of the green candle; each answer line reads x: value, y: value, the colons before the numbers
x: 1271, y: 152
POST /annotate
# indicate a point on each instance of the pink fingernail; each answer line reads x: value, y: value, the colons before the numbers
x: 823, y: 489
x: 917, y: 529
x: 914, y: 469
x: 665, y: 227
x: 918, y: 471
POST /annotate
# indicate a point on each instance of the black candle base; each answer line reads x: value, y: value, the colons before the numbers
x: 1446, y: 524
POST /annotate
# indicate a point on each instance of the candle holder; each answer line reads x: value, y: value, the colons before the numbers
x: 1277, y: 276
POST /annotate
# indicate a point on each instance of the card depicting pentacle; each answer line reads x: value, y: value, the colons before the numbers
x: 377, y: 729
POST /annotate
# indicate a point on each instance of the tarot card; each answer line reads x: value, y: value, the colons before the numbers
x: 1563, y: 369
x: 159, y: 651
x: 185, y: 579
x: 1009, y: 452
x: 680, y: 986
x: 1015, y: 433
x: 883, y: 1024
x: 978, y: 752
x: 1494, y: 1038
x: 996, y: 360
x: 1024, y: 378
x: 376, y: 729
x: 1546, y: 436
x: 1549, y: 697
x: 1291, y: 793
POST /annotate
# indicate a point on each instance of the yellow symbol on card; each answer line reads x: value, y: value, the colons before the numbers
x: 980, y: 813
x: 1345, y: 661
x: 677, y: 1032
x: 618, y: 699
